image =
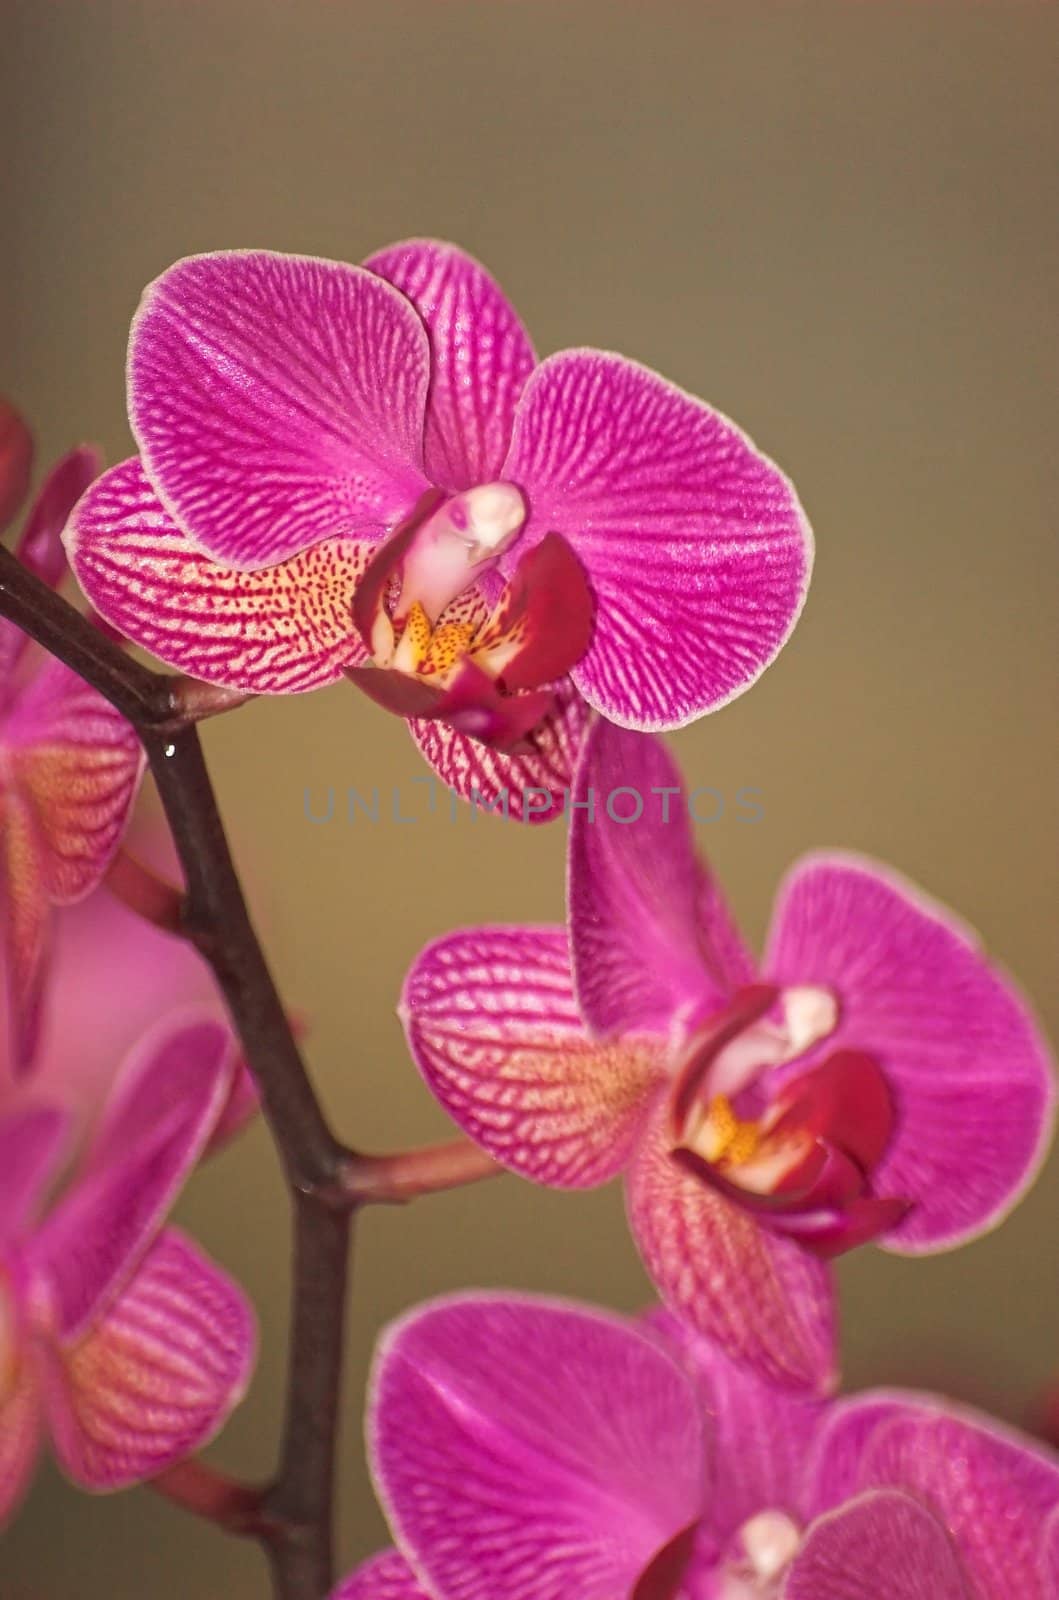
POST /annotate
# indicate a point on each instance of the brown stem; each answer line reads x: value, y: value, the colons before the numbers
x: 391, y: 1179
x: 212, y: 1495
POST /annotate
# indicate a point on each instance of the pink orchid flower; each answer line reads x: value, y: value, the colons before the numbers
x: 71, y: 765
x: 365, y: 471
x: 876, y: 1078
x: 117, y: 1334
x: 527, y: 1449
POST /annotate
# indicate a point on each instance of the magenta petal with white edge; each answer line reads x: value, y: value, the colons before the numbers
x: 885, y: 1545
x: 653, y: 943
x: 760, y: 1434
x: 481, y: 357
x: 279, y: 631
x: 695, y: 545
x: 525, y: 1449
x: 765, y: 1300
x: 493, y: 1026
x: 277, y: 400
x: 529, y: 787
x: 20, y: 1432
x: 157, y: 1375
x: 385, y: 1577
x: 164, y: 1109
x: 971, y: 1075
x: 31, y: 1143
x: 993, y: 1488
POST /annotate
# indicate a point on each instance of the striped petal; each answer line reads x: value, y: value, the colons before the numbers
x: 480, y: 353
x: 884, y: 1544
x: 384, y: 1577
x: 277, y: 401
x: 969, y: 1072
x: 526, y: 1449
x: 279, y: 631
x: 157, y: 1376
x: 532, y: 787
x: 494, y: 1029
x: 695, y: 545
x: 161, y: 1116
x: 20, y: 1432
x: 652, y: 938
x: 27, y: 926
x: 766, y: 1302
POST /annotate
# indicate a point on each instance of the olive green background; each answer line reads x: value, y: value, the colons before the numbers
x: 837, y: 223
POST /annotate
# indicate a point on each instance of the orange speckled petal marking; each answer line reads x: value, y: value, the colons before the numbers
x: 494, y: 1029
x: 280, y: 630
x: 765, y: 1301
x: 157, y: 1376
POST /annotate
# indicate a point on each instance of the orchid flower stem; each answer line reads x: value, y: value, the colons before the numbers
x: 145, y: 893
x: 327, y: 1182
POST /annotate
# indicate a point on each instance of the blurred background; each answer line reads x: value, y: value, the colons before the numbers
x: 837, y: 223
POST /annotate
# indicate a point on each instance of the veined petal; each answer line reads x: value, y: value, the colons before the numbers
x: 695, y: 545
x: 78, y: 764
x: 27, y: 925
x: 530, y: 787
x: 970, y: 1073
x: 158, y: 1375
x: 279, y: 631
x: 653, y: 941
x: 16, y: 461
x: 993, y: 1489
x: 384, y: 1577
x: 526, y: 1449
x: 884, y: 1544
x: 759, y: 1435
x: 31, y: 1143
x: 493, y: 1027
x: 20, y: 1435
x: 277, y: 401
x: 163, y: 1111
x: 40, y: 546
x: 480, y: 353
x: 766, y: 1302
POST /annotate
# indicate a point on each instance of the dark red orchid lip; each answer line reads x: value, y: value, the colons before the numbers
x: 661, y: 1580
x: 472, y: 703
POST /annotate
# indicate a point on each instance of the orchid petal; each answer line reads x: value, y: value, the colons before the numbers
x: 527, y: 1450
x: 386, y: 1576
x: 279, y: 631
x: 493, y: 1027
x: 532, y: 786
x: 884, y: 1544
x: 20, y: 1433
x: 760, y: 1434
x: 31, y: 1142
x: 695, y: 545
x: 40, y: 545
x: 277, y: 401
x: 162, y: 1113
x: 481, y: 357
x: 766, y: 1302
x: 27, y: 926
x: 16, y: 461
x: 652, y: 938
x: 993, y: 1488
x: 1049, y: 1574
x: 970, y: 1074
x: 158, y: 1375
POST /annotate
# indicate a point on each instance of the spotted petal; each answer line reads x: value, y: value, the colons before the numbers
x: 694, y: 544
x: 884, y: 1544
x: 527, y: 1450
x: 992, y: 1488
x: 970, y: 1074
x: 277, y: 401
x: 279, y: 631
x: 480, y: 357
x: 162, y: 1113
x: 157, y: 1376
x: 493, y: 1027
x: 384, y: 1577
x: 531, y: 787
x: 653, y: 942
x: 766, y: 1302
